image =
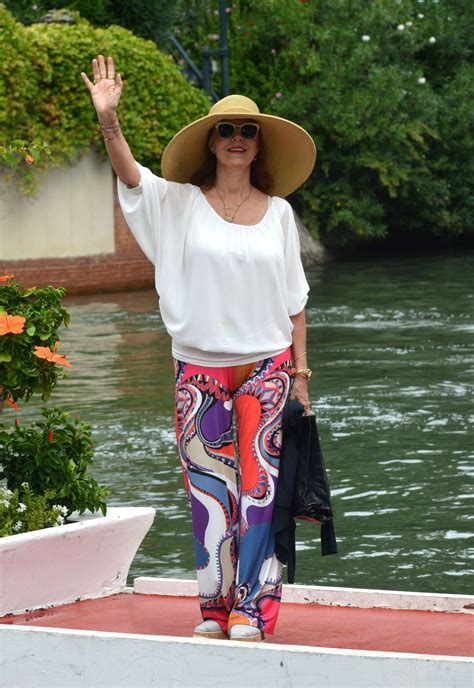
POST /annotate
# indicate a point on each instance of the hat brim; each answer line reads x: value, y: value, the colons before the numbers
x: 290, y: 152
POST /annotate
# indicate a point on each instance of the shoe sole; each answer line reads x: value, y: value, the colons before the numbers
x: 252, y: 639
x: 213, y: 635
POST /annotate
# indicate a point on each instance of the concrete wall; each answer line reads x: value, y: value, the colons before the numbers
x: 72, y: 214
x: 102, y: 255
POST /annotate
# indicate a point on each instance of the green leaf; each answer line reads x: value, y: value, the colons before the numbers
x: 9, y: 158
x: 5, y: 356
x: 30, y: 330
x: 44, y: 336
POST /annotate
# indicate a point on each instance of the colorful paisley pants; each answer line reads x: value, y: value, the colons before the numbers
x: 231, y: 499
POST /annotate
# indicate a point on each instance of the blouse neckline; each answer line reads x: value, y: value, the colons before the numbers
x: 236, y: 224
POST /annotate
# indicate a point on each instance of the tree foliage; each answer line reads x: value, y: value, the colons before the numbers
x: 145, y: 18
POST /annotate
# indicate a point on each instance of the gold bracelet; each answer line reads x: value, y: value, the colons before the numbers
x: 303, y: 354
x: 302, y: 372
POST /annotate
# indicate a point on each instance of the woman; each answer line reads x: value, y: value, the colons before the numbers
x: 232, y: 294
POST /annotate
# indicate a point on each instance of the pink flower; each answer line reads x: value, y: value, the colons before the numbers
x: 278, y: 94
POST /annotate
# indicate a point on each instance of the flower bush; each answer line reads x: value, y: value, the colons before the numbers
x: 45, y: 463
x: 29, y: 323
x: 52, y: 455
x: 22, y: 511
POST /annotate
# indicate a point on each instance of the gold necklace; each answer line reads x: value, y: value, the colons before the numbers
x: 230, y: 207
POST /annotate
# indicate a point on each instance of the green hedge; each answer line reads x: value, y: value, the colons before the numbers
x: 42, y: 95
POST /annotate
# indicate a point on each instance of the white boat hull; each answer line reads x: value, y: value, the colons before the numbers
x: 60, y: 658
x: 88, y: 558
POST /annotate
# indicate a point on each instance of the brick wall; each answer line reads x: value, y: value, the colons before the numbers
x: 125, y: 269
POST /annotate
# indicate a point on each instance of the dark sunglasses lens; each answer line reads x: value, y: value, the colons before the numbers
x: 249, y: 131
x: 225, y: 131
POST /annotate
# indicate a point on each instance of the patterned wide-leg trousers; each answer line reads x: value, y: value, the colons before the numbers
x: 231, y: 489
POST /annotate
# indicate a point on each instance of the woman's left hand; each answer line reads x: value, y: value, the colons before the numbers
x: 299, y: 392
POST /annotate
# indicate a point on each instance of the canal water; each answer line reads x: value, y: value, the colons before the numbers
x: 390, y: 344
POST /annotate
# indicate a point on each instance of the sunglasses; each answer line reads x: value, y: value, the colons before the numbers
x: 226, y: 130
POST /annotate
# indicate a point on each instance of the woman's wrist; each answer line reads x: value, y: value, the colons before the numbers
x: 107, y: 119
x: 300, y: 376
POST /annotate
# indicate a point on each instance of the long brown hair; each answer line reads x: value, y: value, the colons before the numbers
x: 205, y: 176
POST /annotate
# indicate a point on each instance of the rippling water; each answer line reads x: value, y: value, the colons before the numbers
x: 390, y: 345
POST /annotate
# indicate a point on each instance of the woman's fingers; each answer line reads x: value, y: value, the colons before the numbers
x: 102, y: 67
x: 87, y: 81
x: 95, y: 69
x: 300, y: 393
x: 110, y: 68
x: 101, y: 70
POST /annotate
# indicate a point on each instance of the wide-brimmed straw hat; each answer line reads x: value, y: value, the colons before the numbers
x: 290, y: 152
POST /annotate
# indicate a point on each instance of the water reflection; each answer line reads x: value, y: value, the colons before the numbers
x: 392, y: 356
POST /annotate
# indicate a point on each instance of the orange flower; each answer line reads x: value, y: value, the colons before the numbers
x: 29, y: 159
x: 50, y: 436
x: 11, y: 403
x: 5, y: 278
x: 51, y: 356
x: 11, y: 323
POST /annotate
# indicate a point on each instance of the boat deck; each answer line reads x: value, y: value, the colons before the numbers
x: 316, y: 625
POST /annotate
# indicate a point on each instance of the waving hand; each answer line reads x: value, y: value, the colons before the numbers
x: 107, y: 87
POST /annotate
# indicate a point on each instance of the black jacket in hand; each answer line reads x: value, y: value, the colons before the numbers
x: 303, y: 487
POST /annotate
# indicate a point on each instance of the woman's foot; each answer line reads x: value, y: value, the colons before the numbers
x: 209, y: 629
x: 246, y: 633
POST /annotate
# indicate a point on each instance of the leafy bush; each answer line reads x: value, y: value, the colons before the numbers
x: 22, y: 511
x: 42, y: 95
x: 52, y: 455
x: 29, y: 318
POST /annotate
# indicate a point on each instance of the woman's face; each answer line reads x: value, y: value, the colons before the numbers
x: 237, y: 151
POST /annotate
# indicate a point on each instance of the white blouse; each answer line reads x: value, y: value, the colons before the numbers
x: 226, y: 291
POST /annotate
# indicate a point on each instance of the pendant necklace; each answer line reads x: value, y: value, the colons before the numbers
x: 230, y: 218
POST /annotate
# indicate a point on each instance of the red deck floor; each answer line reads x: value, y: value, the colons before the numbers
x: 390, y: 630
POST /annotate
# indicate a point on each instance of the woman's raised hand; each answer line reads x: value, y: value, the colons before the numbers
x: 106, y: 89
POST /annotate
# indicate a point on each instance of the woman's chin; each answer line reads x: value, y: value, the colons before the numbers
x: 235, y: 161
